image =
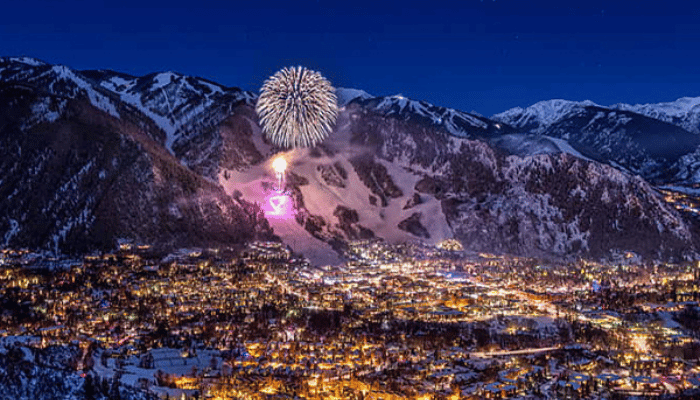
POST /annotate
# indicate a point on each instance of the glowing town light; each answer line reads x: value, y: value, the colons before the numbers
x: 640, y: 344
x: 279, y: 165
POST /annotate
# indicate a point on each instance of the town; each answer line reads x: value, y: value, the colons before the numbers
x: 394, y: 322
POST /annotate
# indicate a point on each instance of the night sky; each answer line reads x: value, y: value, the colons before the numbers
x: 486, y: 56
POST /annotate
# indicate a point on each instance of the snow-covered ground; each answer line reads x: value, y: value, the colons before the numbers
x: 9, y: 341
x: 322, y: 199
x: 530, y: 145
x: 169, y: 361
x: 565, y: 147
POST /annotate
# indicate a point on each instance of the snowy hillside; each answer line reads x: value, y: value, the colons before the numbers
x: 57, y: 80
x: 178, y: 104
x: 33, y: 373
x: 92, y: 157
x: 80, y: 168
x: 531, y: 145
x: 454, y: 122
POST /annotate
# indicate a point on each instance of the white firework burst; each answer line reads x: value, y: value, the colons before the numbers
x: 297, y: 107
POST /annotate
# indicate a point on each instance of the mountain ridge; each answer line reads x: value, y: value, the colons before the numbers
x: 668, y: 111
x: 192, y: 168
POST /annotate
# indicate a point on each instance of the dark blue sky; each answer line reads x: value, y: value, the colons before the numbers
x: 477, y: 55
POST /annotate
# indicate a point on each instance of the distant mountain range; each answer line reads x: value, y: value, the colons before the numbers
x: 650, y: 142
x: 88, y: 158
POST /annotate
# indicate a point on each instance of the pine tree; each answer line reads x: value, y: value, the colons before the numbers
x: 89, y: 388
x: 114, y: 390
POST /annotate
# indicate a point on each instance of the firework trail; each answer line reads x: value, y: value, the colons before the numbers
x: 297, y: 107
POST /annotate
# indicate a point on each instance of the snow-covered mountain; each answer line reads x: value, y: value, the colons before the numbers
x: 538, y: 117
x: 684, y: 112
x: 180, y: 105
x: 89, y: 157
x: 454, y: 122
x: 82, y: 168
x: 346, y: 95
x: 545, y: 204
x: 638, y: 143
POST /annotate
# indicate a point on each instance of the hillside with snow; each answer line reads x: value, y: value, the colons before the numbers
x: 89, y: 158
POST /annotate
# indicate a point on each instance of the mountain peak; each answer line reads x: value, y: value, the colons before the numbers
x: 543, y: 112
x: 683, y: 112
x: 681, y: 105
x: 346, y: 95
x: 23, y: 60
x: 539, y: 115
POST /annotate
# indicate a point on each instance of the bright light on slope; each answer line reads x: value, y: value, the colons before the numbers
x: 279, y: 206
x: 279, y: 165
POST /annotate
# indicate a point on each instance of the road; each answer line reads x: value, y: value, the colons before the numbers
x: 484, y: 354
